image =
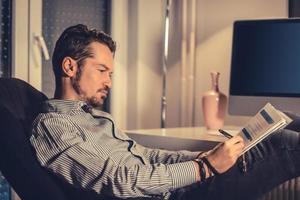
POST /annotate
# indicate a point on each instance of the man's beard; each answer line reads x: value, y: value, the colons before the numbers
x: 92, y: 101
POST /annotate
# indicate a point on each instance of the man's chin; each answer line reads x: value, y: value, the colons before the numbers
x: 95, y: 102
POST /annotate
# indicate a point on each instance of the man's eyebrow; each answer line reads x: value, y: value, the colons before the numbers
x: 102, y: 65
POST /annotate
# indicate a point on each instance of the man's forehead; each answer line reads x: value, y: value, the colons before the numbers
x: 99, y: 47
x: 101, y: 51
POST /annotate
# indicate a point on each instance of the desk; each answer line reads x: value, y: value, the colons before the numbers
x: 186, y: 138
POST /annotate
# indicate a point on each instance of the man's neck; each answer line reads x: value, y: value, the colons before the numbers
x: 66, y: 91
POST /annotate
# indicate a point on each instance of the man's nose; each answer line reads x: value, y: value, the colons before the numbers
x: 108, y: 82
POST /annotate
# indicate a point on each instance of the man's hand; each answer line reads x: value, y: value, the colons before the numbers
x: 225, y: 155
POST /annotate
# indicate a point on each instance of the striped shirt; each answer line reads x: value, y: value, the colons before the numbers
x: 83, y: 145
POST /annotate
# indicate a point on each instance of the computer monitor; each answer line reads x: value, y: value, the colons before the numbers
x: 265, y: 66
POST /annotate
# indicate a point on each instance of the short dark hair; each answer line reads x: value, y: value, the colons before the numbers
x: 74, y: 42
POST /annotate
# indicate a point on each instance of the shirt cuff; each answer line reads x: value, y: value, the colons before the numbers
x: 183, y: 174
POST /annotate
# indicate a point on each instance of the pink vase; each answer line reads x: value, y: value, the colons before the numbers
x: 214, y: 105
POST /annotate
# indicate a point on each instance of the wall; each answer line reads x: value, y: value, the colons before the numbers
x: 119, y: 29
x: 140, y: 90
x: 142, y: 85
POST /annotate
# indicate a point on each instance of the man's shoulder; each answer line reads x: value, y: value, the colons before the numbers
x: 50, y: 123
x: 47, y: 116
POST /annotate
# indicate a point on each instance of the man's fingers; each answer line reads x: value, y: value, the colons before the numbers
x: 239, y: 148
x: 234, y: 140
x: 235, y: 145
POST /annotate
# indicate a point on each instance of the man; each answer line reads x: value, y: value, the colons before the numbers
x: 82, y: 144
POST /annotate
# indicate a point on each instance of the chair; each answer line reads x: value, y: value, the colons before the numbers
x: 19, y: 105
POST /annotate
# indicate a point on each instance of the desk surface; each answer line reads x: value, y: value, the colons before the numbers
x: 189, y: 138
x: 195, y: 133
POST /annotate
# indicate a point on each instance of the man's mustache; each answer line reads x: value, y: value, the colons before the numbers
x: 103, y: 90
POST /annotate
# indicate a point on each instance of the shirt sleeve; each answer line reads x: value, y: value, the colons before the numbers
x: 163, y: 156
x: 166, y: 156
x: 61, y: 148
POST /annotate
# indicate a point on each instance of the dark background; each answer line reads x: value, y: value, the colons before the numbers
x: 294, y: 8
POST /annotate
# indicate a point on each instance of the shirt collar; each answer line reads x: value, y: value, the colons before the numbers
x: 62, y: 106
x: 66, y: 106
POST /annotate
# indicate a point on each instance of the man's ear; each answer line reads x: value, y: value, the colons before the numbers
x: 69, y: 67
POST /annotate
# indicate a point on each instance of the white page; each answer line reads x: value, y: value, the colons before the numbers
x: 266, y: 121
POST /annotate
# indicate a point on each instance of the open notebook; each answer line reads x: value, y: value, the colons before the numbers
x: 265, y: 122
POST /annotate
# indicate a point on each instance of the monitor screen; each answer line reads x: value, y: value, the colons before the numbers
x: 265, y: 65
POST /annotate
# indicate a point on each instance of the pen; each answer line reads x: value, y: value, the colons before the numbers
x: 225, y: 133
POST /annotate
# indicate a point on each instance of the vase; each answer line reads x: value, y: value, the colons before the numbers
x: 214, y: 105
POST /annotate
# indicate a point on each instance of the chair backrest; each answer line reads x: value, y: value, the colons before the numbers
x: 19, y: 105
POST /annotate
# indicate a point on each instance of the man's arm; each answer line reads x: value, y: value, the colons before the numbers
x: 161, y: 155
x: 167, y: 157
x: 61, y: 148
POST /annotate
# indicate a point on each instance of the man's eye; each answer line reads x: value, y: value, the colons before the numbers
x: 102, y: 70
